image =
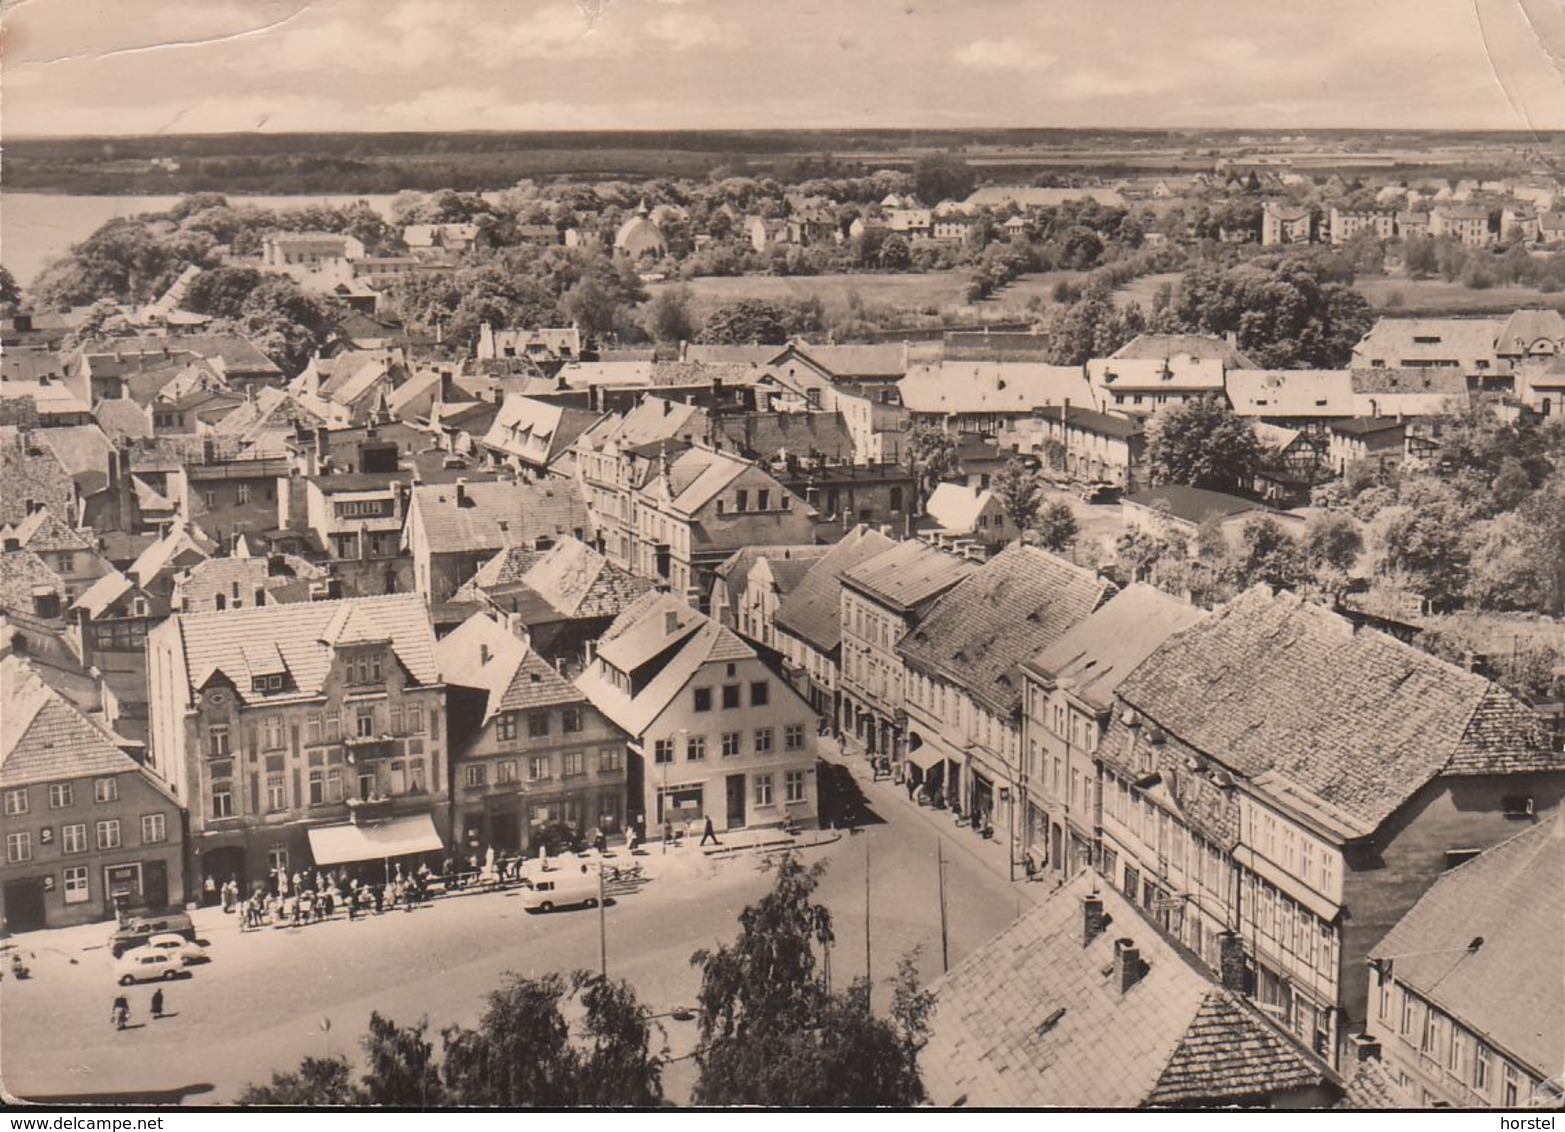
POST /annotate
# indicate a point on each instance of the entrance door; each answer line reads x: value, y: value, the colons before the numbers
x: 154, y: 880
x: 24, y: 907
x: 736, y: 785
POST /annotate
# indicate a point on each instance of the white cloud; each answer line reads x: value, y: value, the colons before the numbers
x: 1004, y: 55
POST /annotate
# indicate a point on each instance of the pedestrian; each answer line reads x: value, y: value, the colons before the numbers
x: 709, y: 832
x: 911, y: 787
x: 209, y: 891
x: 668, y: 831
x: 380, y: 899
x: 157, y: 1003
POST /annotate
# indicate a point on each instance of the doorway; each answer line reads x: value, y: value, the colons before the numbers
x: 736, y: 789
x: 24, y: 905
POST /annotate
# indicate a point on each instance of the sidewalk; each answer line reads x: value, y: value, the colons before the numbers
x: 889, y: 799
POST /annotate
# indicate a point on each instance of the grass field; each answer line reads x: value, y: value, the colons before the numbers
x: 1393, y: 293
x: 931, y: 293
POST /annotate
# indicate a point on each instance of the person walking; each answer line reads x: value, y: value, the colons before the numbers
x: 209, y: 891
x: 157, y: 1003
x: 709, y: 832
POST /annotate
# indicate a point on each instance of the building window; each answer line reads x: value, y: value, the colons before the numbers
x: 416, y: 775
x: 1407, y: 1014
x: 570, y: 720
x: 476, y: 774
x: 732, y: 744
x: 538, y: 767
x: 18, y: 847
x: 703, y: 699
x: 76, y: 885
x: 312, y: 727
x: 73, y: 838
x: 570, y: 764
x: 60, y: 795
x: 608, y: 759
x: 242, y: 494
x: 222, y: 799
x: 273, y: 730
x: 763, y: 740
x: 695, y: 748
x: 154, y: 829
x: 16, y: 801
x: 276, y: 793
x: 333, y: 726
x: 1483, y: 1069
x: 763, y: 790
x: 663, y: 751
x: 505, y: 771
x: 793, y: 786
x: 218, y: 742
x: 317, y: 787
x: 416, y: 719
x: 364, y: 723
x: 537, y: 724
x: 758, y: 693
x: 793, y: 737
x: 505, y: 727
x: 730, y: 696
x: 109, y: 834
x: 1511, y: 1089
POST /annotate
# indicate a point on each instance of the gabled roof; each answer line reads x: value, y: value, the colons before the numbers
x: 43, y: 531
x: 285, y: 578
x: 653, y: 419
x: 1322, y: 393
x: 83, y: 451
x: 104, y: 593
x: 1445, y: 381
x: 640, y: 634
x: 1511, y: 987
x: 812, y: 611
x: 766, y: 435
x: 537, y: 431
x: 302, y: 638
x: 43, y: 738
x: 1034, y: 1018
x: 1291, y: 696
x: 120, y: 417
x: 480, y: 653
x: 992, y: 387
x: 497, y: 514
x: 786, y: 564
x: 1176, y: 371
x: 578, y: 582
x: 1394, y: 341
x: 956, y: 507
x: 1018, y: 602
x: 22, y: 574
x: 180, y: 542
x: 1192, y: 504
x: 908, y: 574
x: 1161, y: 347
x: 1091, y: 657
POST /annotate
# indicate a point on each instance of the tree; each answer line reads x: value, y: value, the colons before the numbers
x: 591, y: 307
x: 222, y: 291
x: 1019, y: 491
x: 669, y: 318
x: 1267, y: 554
x: 773, y: 1034
x: 1425, y: 545
x: 934, y: 455
x: 747, y: 322
x: 1202, y: 443
x: 9, y: 291
x: 317, y: 1083
x: 941, y: 176
x: 1056, y: 527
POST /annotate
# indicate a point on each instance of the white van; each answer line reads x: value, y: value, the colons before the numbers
x: 561, y: 888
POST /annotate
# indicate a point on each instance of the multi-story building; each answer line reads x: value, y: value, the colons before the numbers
x: 276, y: 723
x: 1284, y: 224
x: 1068, y: 698
x: 88, y: 830
x: 1085, y: 444
x: 1273, y: 771
x: 713, y: 730
x: 68, y: 552
x: 1349, y: 222
x: 1467, y: 223
x: 527, y: 748
x: 883, y: 598
x: 963, y: 679
x: 751, y: 583
x: 1467, y: 992
x: 536, y: 437
x: 989, y: 397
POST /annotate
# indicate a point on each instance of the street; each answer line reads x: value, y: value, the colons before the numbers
x: 273, y: 996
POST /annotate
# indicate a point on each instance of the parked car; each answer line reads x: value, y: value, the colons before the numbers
x: 184, y: 952
x: 146, y: 966
x: 139, y: 929
x: 561, y: 890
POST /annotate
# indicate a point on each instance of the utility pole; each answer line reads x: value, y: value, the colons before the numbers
x: 603, y: 927
x: 868, y: 972
x: 945, y: 939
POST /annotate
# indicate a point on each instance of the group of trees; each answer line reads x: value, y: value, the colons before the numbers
x: 772, y: 1032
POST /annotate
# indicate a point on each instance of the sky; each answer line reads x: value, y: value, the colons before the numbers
x: 78, y: 67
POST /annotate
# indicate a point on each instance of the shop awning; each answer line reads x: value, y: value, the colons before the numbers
x: 396, y: 837
x: 926, y: 757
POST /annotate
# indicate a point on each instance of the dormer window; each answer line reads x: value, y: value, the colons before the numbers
x: 272, y: 683
x: 366, y: 668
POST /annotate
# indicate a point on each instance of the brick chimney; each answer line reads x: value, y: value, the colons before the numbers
x: 1093, y: 921
x: 1366, y: 1047
x: 1128, y: 968
x: 1230, y: 951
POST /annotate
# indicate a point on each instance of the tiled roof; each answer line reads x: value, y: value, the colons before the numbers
x: 1034, y: 1018
x: 1165, y: 346
x: 992, y: 387
x: 1291, y: 392
x: 537, y: 431
x: 1180, y: 371
x: 578, y: 582
x: 908, y: 574
x: 1350, y: 723
x: 956, y: 507
x: 1018, y: 602
x: 31, y: 472
x: 883, y: 361
x: 1525, y: 327
x: 44, y: 531
x: 508, y: 566
x: 121, y: 417
x: 1103, y: 424
x: 43, y: 738
x: 21, y: 573
x: 1370, y: 1088
x: 481, y: 653
x: 1396, y: 340
x: 1091, y: 657
x: 1445, y: 380
x: 1192, y: 504
x: 302, y: 638
x: 197, y: 587
x: 764, y: 435
x: 180, y: 543
x: 812, y: 612
x: 652, y: 420
x: 1511, y: 987
x: 529, y: 512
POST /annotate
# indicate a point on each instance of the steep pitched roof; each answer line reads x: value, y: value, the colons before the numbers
x: 908, y: 574
x: 1291, y: 392
x: 43, y: 738
x: 1165, y: 346
x: 480, y: 653
x: 120, y: 417
x: 497, y: 514
x: 288, y: 580
x: 1034, y: 1018
x: 1528, y: 326
x: 1511, y: 987
x: 1018, y: 602
x: 44, y: 531
x: 302, y: 639
x: 576, y: 581
x: 764, y: 435
x: 956, y: 506
x: 1290, y: 695
x: 1091, y: 657
x: 23, y: 573
x: 812, y: 612
x: 992, y: 387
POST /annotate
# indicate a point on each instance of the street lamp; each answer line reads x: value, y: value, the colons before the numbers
x: 1010, y: 829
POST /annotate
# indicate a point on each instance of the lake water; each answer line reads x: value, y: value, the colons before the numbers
x: 38, y: 227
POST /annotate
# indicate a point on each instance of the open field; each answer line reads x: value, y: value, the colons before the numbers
x: 1393, y: 295
x: 930, y: 292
